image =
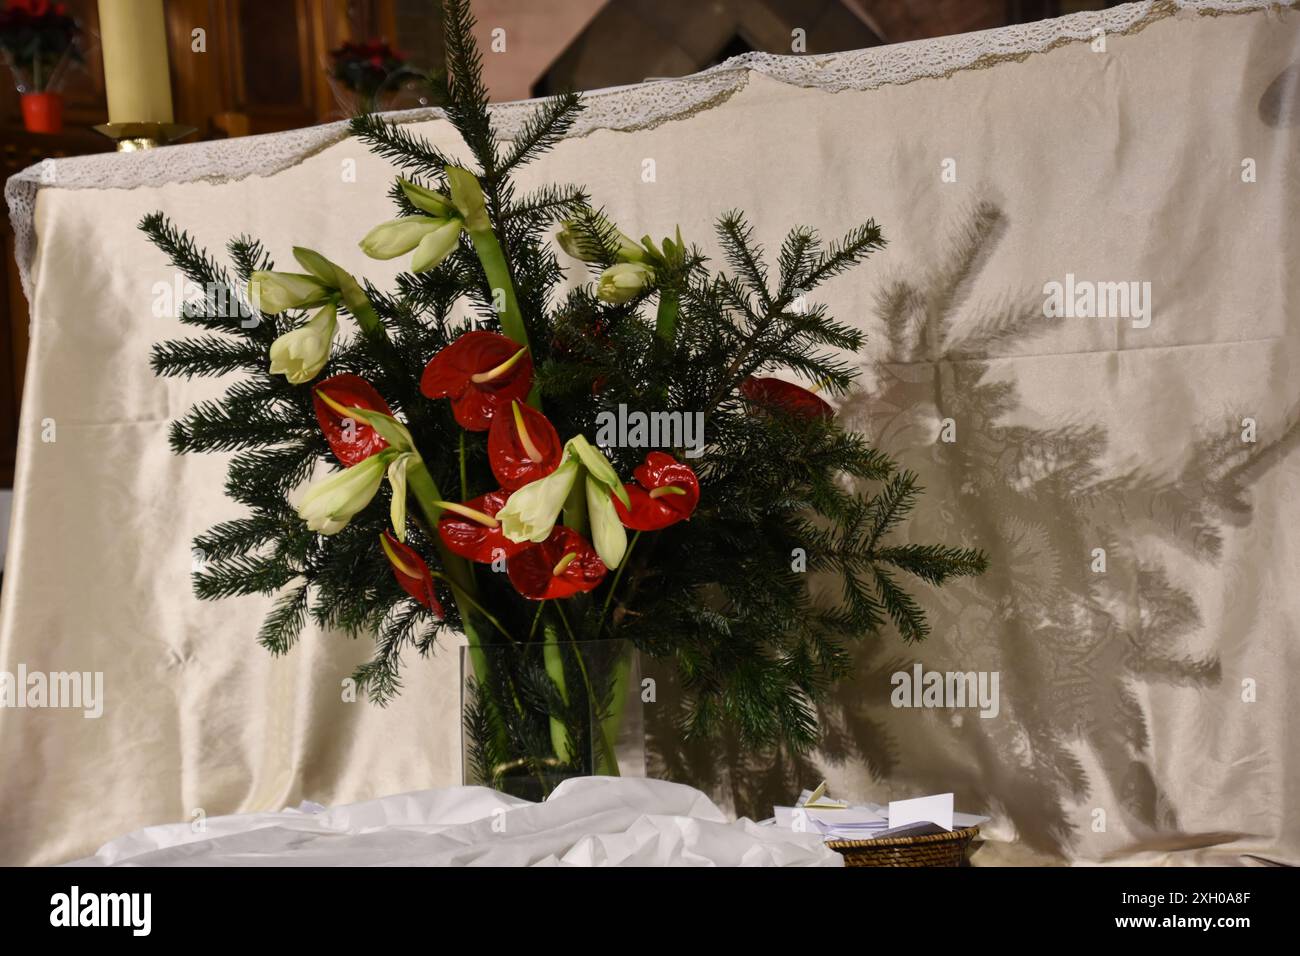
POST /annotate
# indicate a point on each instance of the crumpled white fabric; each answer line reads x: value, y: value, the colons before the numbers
x: 587, y: 821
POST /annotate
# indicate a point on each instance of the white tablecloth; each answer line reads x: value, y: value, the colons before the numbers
x: 588, y: 821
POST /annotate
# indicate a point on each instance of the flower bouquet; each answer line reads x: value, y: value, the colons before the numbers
x: 371, y: 75
x: 548, y: 471
x: 38, y: 40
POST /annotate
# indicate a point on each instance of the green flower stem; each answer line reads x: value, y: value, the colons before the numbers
x: 460, y: 576
x: 623, y: 669
x: 461, y: 595
x: 666, y: 317
x: 498, y: 276
x: 493, y: 260
x: 614, y: 719
x: 613, y: 585
x: 575, y: 507
x: 541, y: 606
x: 458, y: 572
x: 606, y: 763
x: 553, y: 659
x: 354, y: 297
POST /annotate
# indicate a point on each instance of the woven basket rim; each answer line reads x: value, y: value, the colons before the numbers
x: 965, y: 833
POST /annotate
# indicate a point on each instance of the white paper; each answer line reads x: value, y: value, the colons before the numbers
x: 827, y: 817
x: 935, y: 809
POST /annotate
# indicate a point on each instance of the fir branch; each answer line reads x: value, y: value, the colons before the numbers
x: 546, y: 205
x: 181, y: 251
x: 798, y: 253
x: 843, y: 254
x: 206, y: 356
x: 212, y: 426
x: 596, y: 237
x: 248, y: 256
x: 891, y: 505
x: 232, y: 538
x: 242, y: 574
x: 467, y: 98
x: 546, y: 126
x: 935, y: 563
x: 380, y: 677
x: 901, y: 607
x: 404, y: 149
x: 285, y: 621
x: 737, y: 238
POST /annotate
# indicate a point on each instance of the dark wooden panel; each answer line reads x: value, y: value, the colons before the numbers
x: 272, y: 62
x: 22, y: 149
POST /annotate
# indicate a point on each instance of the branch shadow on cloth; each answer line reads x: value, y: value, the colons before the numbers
x: 1070, y: 644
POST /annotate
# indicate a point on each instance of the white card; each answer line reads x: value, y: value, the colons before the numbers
x: 935, y: 809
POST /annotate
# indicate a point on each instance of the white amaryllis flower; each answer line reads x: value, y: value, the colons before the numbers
x: 573, y: 243
x: 608, y: 535
x: 432, y: 239
x: 276, y: 292
x: 397, y: 478
x: 330, y: 503
x: 467, y: 197
x: 531, y: 512
x: 301, y: 353
x: 427, y: 200
x: 623, y: 281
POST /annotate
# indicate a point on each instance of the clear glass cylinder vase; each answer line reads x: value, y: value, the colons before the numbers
x: 537, y: 713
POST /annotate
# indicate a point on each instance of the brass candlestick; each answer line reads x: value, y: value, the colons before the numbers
x: 131, y: 137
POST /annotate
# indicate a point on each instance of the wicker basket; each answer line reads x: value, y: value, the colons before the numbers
x: 936, y: 849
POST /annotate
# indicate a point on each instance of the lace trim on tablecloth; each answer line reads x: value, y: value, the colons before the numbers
x: 642, y: 106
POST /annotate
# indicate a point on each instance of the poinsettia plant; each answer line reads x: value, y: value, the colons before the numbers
x: 368, y: 72
x: 471, y: 490
x: 37, y: 39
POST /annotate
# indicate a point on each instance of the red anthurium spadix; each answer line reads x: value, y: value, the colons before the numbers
x: 559, y: 567
x: 411, y: 572
x: 472, y: 531
x: 481, y: 372
x: 786, y: 397
x: 666, y: 492
x: 522, y: 446
x: 351, y: 439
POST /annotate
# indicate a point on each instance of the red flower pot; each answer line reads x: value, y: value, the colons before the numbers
x: 43, y: 112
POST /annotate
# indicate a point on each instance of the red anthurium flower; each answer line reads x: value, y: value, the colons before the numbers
x: 472, y: 531
x: 480, y: 372
x: 351, y: 439
x: 785, y: 396
x: 559, y: 567
x: 411, y: 572
x: 522, y: 446
x: 666, y: 492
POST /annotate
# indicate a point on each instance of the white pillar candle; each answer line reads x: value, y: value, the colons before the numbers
x: 134, y: 38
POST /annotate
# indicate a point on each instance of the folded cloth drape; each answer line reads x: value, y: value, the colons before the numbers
x: 587, y: 821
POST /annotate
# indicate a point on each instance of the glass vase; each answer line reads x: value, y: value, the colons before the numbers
x: 537, y: 713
